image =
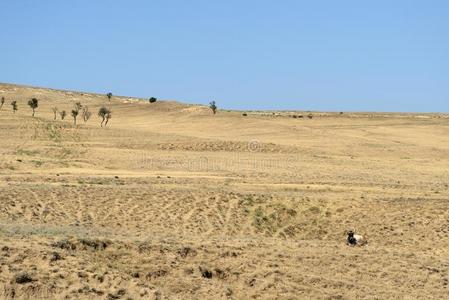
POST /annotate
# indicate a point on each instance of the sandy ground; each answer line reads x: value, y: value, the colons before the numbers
x: 172, y: 202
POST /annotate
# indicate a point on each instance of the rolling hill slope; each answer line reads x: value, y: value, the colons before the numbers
x: 170, y: 201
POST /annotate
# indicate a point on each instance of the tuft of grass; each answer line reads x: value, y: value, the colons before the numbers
x: 314, y: 210
x: 272, y: 218
x: 53, y: 132
x: 27, y: 152
x: 37, y: 163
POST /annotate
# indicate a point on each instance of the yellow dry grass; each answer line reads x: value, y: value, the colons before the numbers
x: 172, y: 202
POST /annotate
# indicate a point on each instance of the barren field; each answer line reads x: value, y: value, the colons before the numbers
x: 172, y: 202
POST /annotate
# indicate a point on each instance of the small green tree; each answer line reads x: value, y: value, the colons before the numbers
x: 55, y: 111
x: 153, y: 99
x: 213, y: 107
x: 76, y: 111
x: 14, y: 106
x: 2, y: 102
x: 105, y: 114
x: 33, y: 103
x: 63, y: 114
x: 109, y: 95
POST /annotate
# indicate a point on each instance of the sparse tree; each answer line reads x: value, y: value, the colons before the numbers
x: 153, y: 99
x: 14, y: 106
x: 62, y: 114
x: 105, y: 114
x: 55, y: 111
x: 213, y: 107
x: 33, y: 103
x: 76, y: 111
x: 2, y: 102
x: 109, y: 95
x: 86, y: 114
x: 74, y: 115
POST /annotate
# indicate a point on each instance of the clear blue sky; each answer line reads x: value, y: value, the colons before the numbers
x: 382, y: 55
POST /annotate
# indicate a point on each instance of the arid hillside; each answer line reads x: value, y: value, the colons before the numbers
x: 170, y: 201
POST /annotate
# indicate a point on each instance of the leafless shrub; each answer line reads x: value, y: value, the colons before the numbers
x: 55, y: 111
x: 86, y: 114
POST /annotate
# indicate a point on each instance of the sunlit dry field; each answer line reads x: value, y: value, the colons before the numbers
x: 172, y: 202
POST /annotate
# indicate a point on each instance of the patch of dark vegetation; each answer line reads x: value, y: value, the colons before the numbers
x: 252, y: 199
x: 143, y: 248
x: 55, y: 256
x: 251, y: 282
x: 83, y: 244
x: 186, y: 251
x: 99, y: 277
x: 22, y: 278
x: 156, y: 274
x: 64, y: 244
x: 94, y: 244
x: 88, y: 290
x: 117, y: 295
x: 206, y: 273
x: 221, y: 274
x: 230, y: 254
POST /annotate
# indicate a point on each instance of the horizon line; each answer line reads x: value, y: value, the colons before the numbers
x: 225, y: 108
